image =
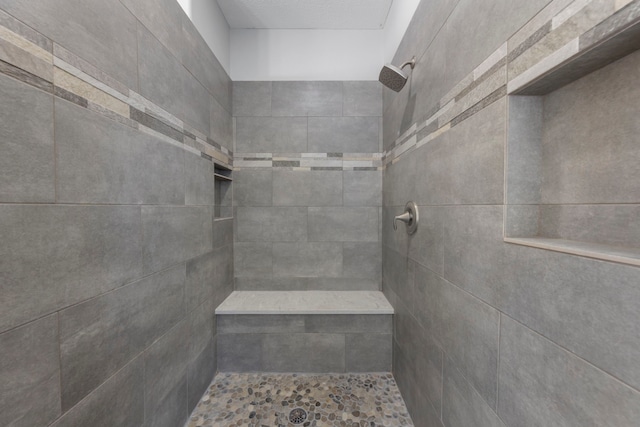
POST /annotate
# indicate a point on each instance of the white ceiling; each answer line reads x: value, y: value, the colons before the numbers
x: 306, y: 14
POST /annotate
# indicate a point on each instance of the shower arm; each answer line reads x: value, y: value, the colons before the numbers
x: 412, y: 62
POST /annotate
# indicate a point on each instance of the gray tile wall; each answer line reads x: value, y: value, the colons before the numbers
x: 487, y: 333
x: 315, y: 227
x: 112, y: 261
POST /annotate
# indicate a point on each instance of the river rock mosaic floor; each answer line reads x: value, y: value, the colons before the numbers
x: 265, y: 400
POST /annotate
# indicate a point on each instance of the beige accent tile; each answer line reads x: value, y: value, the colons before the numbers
x: 537, y: 22
x: 568, y: 12
x: 25, y: 45
x: 621, y: 3
x: 81, y: 88
x: 15, y: 55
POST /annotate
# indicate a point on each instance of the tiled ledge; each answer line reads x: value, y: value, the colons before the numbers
x: 305, y: 302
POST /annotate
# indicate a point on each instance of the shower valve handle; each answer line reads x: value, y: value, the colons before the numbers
x: 409, y: 217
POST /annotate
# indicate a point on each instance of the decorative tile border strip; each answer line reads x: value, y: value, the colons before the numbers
x: 32, y: 58
x: 310, y: 161
x: 563, y: 29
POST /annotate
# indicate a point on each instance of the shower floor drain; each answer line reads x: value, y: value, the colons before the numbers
x: 298, y: 416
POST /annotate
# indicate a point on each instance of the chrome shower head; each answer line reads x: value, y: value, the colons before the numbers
x: 393, y: 77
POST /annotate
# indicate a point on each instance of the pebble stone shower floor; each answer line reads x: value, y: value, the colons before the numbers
x: 266, y: 400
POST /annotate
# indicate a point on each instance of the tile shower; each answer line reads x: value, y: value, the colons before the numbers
x: 140, y: 187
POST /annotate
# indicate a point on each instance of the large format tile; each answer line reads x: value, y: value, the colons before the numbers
x: 55, y: 256
x: 110, y: 46
x: 198, y: 58
x: 362, y: 260
x: 199, y: 284
x: 239, y: 352
x: 30, y: 371
x: 199, y: 181
x: 546, y: 385
x: 165, y: 378
x: 161, y: 76
x: 251, y: 99
x: 200, y: 372
x: 252, y: 187
x: 462, y: 405
x: 119, y: 401
x: 271, y: 224
x: 362, y: 99
x: 102, y: 161
x: 303, y: 353
x: 368, y: 352
x: 101, y: 335
x: 26, y: 141
x: 362, y: 188
x: 175, y: 234
x: 221, y: 125
x: 271, y: 134
x: 306, y: 98
x: 344, y: 134
x: 466, y: 328
x: 349, y: 224
x: 260, y: 323
x: 307, y: 188
x: 202, y: 111
x: 200, y: 328
x: 322, y: 259
x: 253, y: 259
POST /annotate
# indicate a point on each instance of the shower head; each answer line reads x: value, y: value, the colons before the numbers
x: 393, y: 77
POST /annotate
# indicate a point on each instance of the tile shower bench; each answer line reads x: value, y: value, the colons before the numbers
x: 304, y: 331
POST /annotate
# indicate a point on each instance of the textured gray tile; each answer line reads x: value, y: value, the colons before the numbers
x: 110, y: 46
x: 30, y: 368
x: 535, y: 375
x: 357, y: 224
x: 608, y: 224
x: 362, y: 188
x: 420, y: 355
x: 260, y: 323
x: 344, y: 134
x: 239, y: 352
x: 307, y: 259
x: 101, y: 335
x: 462, y: 405
x: 102, y: 161
x: 307, y: 188
x: 55, y: 256
x: 251, y: 98
x: 253, y: 259
x: 174, y: 234
x: 426, y: 246
x: 395, y: 274
x: 26, y: 135
x: 271, y: 135
x: 524, y: 172
x: 340, y: 284
x: 202, y: 63
x: 163, y: 18
x: 161, y: 76
x: 200, y: 110
x: 466, y: 328
x: 252, y: 187
x: 362, y: 260
x: 200, y: 328
x: 165, y: 373
x: 416, y: 397
x: 222, y: 233
x: 200, y: 373
x: 398, y: 240
x: 199, y: 180
x: 119, y: 401
x: 172, y: 409
x: 308, y: 98
x: 303, y: 353
x: 368, y: 352
x: 362, y: 99
x: 589, y: 149
x: 271, y: 224
x: 349, y: 323
x: 199, y: 280
x: 223, y: 276
x: 221, y: 125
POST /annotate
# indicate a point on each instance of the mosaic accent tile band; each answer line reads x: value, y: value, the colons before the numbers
x: 369, y: 400
x: 32, y: 58
x: 559, y: 32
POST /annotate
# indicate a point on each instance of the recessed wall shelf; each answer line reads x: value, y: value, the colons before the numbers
x: 573, y: 153
x: 223, y: 191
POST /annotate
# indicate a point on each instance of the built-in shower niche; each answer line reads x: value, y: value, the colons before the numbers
x: 223, y: 191
x: 573, y: 161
